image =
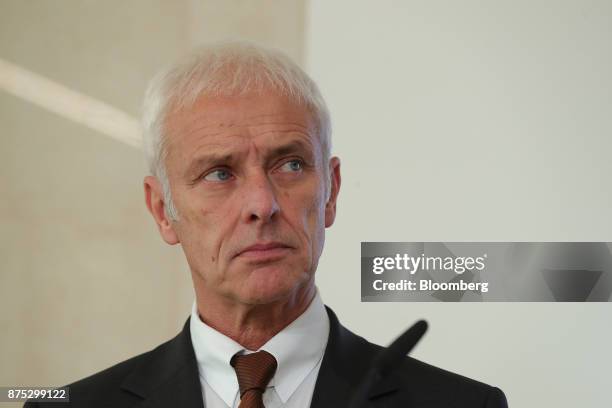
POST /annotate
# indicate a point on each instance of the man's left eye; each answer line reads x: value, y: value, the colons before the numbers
x: 292, y: 166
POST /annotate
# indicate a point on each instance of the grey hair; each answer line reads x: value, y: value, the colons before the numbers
x: 229, y: 68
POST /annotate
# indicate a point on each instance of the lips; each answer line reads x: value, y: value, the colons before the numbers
x: 264, y: 251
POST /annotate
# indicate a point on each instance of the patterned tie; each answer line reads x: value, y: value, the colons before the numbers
x: 254, y: 372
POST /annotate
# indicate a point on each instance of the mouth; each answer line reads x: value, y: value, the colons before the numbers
x: 264, y: 252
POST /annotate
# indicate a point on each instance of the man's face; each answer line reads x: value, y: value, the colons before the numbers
x: 248, y: 182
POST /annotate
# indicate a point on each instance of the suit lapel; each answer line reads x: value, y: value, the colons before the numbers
x: 345, y: 364
x: 169, y: 377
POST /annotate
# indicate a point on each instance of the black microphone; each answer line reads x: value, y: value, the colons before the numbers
x: 388, y: 360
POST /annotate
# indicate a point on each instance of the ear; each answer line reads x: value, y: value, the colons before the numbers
x: 154, y: 198
x: 330, y: 206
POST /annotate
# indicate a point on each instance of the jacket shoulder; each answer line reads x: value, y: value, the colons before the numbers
x: 423, y: 384
x: 99, y: 389
x: 430, y: 384
x: 104, y: 388
x: 105, y: 385
x: 432, y: 374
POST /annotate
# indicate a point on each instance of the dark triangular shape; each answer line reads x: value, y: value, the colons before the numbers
x: 571, y: 285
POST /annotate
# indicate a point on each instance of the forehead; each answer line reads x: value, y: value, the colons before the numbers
x: 229, y: 120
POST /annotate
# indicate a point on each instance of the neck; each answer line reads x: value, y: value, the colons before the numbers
x: 252, y: 325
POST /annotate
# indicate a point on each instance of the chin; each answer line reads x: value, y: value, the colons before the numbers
x: 271, y: 284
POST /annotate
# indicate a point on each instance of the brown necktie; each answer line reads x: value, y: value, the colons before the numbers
x: 254, y: 372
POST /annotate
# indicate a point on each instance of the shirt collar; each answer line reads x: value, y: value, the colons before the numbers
x: 213, y: 352
x: 298, y: 349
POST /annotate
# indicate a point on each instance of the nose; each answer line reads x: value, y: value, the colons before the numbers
x: 260, y: 202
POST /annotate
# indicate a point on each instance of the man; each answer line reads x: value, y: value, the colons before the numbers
x: 238, y: 142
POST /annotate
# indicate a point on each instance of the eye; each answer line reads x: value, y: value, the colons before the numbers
x: 294, y: 165
x: 218, y: 175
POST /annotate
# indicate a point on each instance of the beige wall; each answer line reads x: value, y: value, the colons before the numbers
x: 85, y: 281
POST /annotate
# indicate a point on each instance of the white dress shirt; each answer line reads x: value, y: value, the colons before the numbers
x: 298, y: 349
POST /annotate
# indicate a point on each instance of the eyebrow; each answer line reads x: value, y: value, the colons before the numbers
x: 291, y: 147
x: 208, y: 160
x: 217, y: 159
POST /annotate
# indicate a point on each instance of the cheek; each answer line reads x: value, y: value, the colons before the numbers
x: 316, y: 210
x: 311, y: 215
x: 203, y: 225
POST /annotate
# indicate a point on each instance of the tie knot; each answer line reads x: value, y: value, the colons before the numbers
x: 254, y: 371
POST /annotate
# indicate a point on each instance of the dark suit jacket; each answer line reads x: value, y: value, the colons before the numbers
x: 168, y: 377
